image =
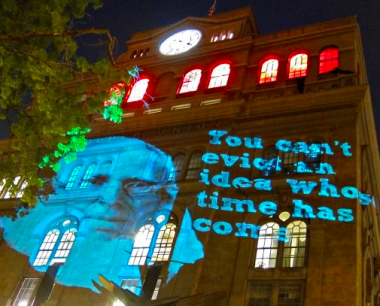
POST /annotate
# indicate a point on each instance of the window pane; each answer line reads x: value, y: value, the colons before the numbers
x: 46, y: 248
x: 269, y: 71
x: 328, y: 60
x: 138, y: 90
x: 191, y: 81
x: 73, y: 177
x: 289, y: 295
x: 164, y: 243
x: 259, y: 294
x: 267, y: 245
x: 24, y: 295
x: 219, y: 76
x: 194, y: 169
x: 141, y: 245
x: 90, y: 170
x: 295, y: 247
x: 175, y: 172
x: 64, y: 246
x: 298, y: 66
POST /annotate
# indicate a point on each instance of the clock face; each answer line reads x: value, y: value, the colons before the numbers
x: 180, y: 42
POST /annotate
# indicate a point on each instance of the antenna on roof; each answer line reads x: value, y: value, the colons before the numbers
x: 212, y: 9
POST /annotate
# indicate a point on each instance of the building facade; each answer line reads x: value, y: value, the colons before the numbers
x: 251, y: 179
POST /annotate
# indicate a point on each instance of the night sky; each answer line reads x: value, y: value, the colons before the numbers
x: 124, y: 17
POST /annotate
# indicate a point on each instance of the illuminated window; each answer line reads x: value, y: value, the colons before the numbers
x: 154, y: 241
x: 73, y: 177
x: 274, y: 294
x: 57, y: 243
x: 14, y: 190
x: 267, y: 246
x: 164, y: 243
x: 191, y: 81
x: 138, y: 90
x: 270, y: 158
x: 175, y: 172
x: 194, y: 169
x: 223, y: 35
x: 269, y: 71
x: 129, y: 284
x: 25, y: 294
x: 157, y: 289
x: 141, y: 245
x: 298, y: 65
x: 295, y: 247
x: 328, y: 60
x: 215, y: 37
x: 219, y: 76
x: 87, y: 176
x: 290, y: 162
x: 230, y: 34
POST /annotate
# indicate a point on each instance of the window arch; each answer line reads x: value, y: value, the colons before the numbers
x: 191, y: 81
x: 154, y: 240
x: 295, y: 246
x: 88, y: 174
x: 194, y: 168
x: 219, y: 76
x: 269, y: 70
x: 138, y: 90
x: 105, y: 167
x: 57, y: 243
x: 73, y: 177
x: 328, y: 60
x: 297, y: 65
x: 267, y: 246
x: 176, y: 170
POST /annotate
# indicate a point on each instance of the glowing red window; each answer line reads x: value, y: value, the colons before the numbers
x: 191, y: 81
x: 138, y: 90
x: 328, y: 60
x: 269, y: 71
x: 219, y: 76
x: 298, y: 66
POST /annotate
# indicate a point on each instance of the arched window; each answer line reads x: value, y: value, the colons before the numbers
x: 194, y: 169
x: 295, y: 246
x: 267, y: 246
x: 269, y: 71
x: 154, y: 241
x: 328, y: 60
x: 175, y: 172
x: 270, y: 158
x: 164, y: 243
x: 141, y: 245
x: 138, y: 90
x: 105, y: 167
x: 219, y: 76
x: 88, y: 174
x: 73, y: 177
x: 191, y: 81
x: 297, y: 66
x: 57, y: 244
x: 290, y: 162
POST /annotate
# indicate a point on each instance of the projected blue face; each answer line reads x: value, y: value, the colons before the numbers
x: 100, y: 209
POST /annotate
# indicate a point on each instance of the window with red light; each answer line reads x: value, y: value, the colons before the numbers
x: 191, y: 81
x: 328, y: 60
x: 138, y: 90
x: 298, y: 65
x: 219, y: 76
x: 269, y: 71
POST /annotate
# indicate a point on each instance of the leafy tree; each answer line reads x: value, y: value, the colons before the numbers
x: 43, y: 84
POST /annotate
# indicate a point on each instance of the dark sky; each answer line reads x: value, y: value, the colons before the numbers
x: 124, y: 17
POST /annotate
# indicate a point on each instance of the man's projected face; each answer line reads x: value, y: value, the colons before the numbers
x: 110, y: 211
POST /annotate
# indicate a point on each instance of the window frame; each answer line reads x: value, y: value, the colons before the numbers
x: 211, y: 77
x: 281, y: 246
x: 260, y: 70
x: 304, y: 72
x: 62, y: 228
x: 131, y: 89
x: 179, y: 92
x: 330, y: 60
x: 31, y: 295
